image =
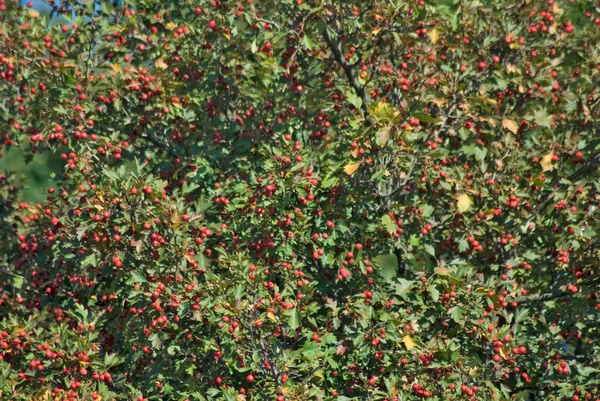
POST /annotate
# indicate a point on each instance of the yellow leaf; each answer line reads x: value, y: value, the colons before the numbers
x: 464, y: 202
x: 116, y: 67
x: 440, y: 102
x: 383, y: 135
x: 442, y: 271
x: 488, y: 100
x: 489, y: 120
x: 160, y: 63
x: 228, y: 36
x: 546, y: 162
x: 18, y: 330
x: 521, y: 89
x: 380, y: 108
x: 512, y: 68
x: 556, y: 9
x: 409, y: 342
x: 553, y: 29
x: 271, y: 316
x: 176, y: 219
x: 241, y: 397
x: 170, y: 26
x: 434, y: 35
x: 503, y: 353
x: 350, y: 169
x: 34, y: 14
x: 510, y: 125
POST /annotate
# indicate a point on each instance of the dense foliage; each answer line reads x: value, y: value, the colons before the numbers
x: 302, y: 200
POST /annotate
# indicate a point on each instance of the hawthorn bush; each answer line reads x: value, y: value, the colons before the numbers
x: 302, y: 200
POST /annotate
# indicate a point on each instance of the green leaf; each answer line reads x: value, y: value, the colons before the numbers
x: 295, y: 320
x: 521, y: 315
x: 428, y: 211
x: 89, y: 260
x: 463, y: 245
x: 585, y: 370
x: 433, y: 292
x: 354, y: 100
x: 138, y: 277
x: 414, y: 240
x: 308, y: 42
x: 402, y: 287
x: 111, y: 359
x: 17, y: 282
x: 389, y: 265
x: 426, y: 118
x: 388, y: 223
x: 457, y: 313
x: 542, y: 118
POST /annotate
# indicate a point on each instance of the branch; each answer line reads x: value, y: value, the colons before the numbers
x: 545, y: 297
x: 548, y: 296
x: 10, y: 273
x: 593, y: 162
x: 336, y: 49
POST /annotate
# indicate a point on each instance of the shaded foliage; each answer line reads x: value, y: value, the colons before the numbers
x: 299, y: 200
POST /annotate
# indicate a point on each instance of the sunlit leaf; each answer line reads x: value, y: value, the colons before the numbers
x: 464, y: 202
x: 350, y: 169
